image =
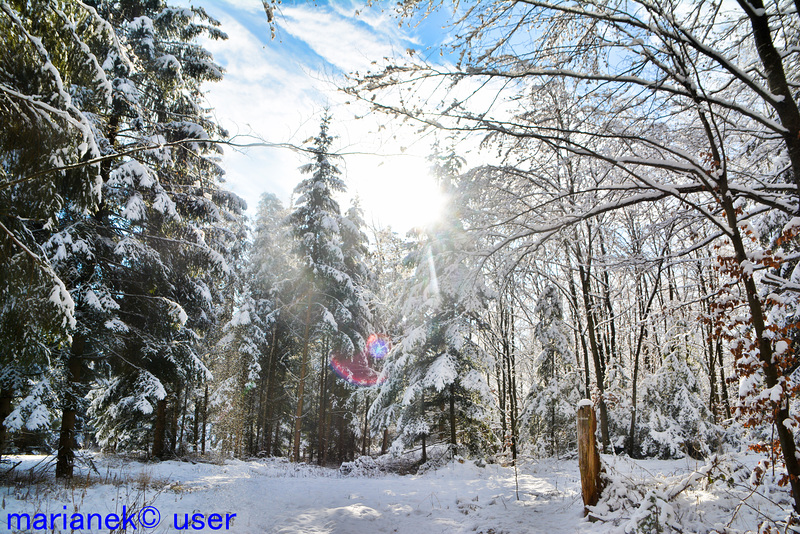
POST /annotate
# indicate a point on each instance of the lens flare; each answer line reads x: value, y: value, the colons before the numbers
x: 357, y: 370
x: 378, y: 346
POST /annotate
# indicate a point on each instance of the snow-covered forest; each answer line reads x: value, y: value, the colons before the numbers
x: 622, y: 224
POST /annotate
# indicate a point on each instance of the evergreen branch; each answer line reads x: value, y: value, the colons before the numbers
x: 35, y: 257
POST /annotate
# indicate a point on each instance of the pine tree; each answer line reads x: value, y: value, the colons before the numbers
x: 677, y: 422
x: 335, y: 314
x: 175, y: 232
x: 271, y: 273
x: 434, y: 379
x: 52, y: 94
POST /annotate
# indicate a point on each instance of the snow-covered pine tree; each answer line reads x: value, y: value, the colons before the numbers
x: 272, y: 275
x: 390, y: 273
x: 434, y: 381
x: 53, y: 91
x: 176, y: 230
x: 239, y: 374
x: 676, y: 421
x: 333, y: 309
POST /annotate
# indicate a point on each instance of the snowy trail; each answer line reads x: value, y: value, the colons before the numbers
x: 282, y: 498
x: 274, y: 496
x: 454, y: 499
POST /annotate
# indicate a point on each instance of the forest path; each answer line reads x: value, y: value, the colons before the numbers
x: 277, y: 497
x: 457, y: 498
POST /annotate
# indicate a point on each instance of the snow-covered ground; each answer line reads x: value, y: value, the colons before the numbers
x: 274, y: 496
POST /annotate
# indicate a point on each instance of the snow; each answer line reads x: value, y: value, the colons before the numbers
x: 177, y: 313
x: 63, y: 302
x: 240, y: 318
x: 116, y: 325
x: 276, y: 496
x: 441, y: 373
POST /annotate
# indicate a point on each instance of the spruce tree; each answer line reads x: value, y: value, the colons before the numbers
x: 176, y: 232
x: 53, y: 91
x: 549, y: 410
x: 334, y: 314
x: 434, y: 382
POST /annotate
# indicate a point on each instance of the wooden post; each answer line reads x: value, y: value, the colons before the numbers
x: 588, y: 456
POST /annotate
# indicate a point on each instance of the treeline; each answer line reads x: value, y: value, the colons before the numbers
x: 140, y: 313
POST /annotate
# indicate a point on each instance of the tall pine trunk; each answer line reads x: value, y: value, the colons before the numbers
x: 65, y: 461
x: 298, y: 416
x: 323, y: 404
x: 365, y: 435
x: 270, y: 405
x: 453, y: 417
x: 160, y: 429
x: 205, y: 421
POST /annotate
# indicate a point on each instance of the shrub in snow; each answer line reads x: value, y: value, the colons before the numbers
x: 363, y: 466
x: 720, y: 496
x: 33, y: 418
x: 673, y: 419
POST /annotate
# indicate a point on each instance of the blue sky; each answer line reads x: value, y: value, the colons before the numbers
x: 276, y: 89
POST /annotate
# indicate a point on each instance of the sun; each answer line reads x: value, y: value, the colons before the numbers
x: 402, y: 194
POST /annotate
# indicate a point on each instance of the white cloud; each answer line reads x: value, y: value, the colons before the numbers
x: 343, y: 42
x: 253, y: 6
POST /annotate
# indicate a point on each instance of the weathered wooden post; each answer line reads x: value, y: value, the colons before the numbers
x: 588, y: 455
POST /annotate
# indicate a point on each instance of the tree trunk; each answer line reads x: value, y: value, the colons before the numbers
x: 509, y: 372
x: 772, y: 372
x: 270, y: 408
x: 598, y: 365
x: 611, y: 353
x: 328, y: 430
x: 723, y: 385
x: 196, y: 424
x: 784, y: 102
x: 424, y: 450
x: 175, y: 413
x: 500, y: 370
x: 645, y: 314
x: 385, y: 442
x: 205, y: 422
x: 573, y: 293
x: 66, y: 439
x: 265, y: 397
x: 298, y: 416
x: 323, y: 404
x: 341, y: 442
x: 276, y: 442
x: 181, y: 447
x: 453, y: 418
x: 159, y: 432
x: 365, y: 435
x: 713, y: 397
x: 6, y: 397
